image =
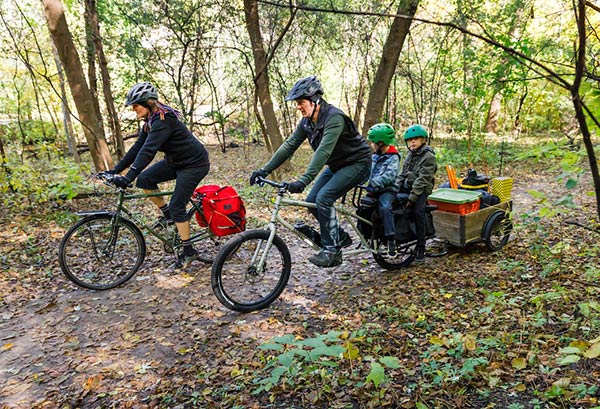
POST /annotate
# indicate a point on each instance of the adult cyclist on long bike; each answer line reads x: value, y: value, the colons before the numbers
x: 338, y: 147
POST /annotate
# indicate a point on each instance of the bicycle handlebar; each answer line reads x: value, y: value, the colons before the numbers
x: 107, y: 179
x: 279, y: 185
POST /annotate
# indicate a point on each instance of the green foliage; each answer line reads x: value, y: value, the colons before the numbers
x: 36, y: 182
x: 324, y: 360
x: 569, y: 164
x: 462, y: 153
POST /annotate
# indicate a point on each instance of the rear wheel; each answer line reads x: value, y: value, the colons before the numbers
x: 496, y: 230
x: 240, y: 282
x: 405, y: 254
x: 99, y: 254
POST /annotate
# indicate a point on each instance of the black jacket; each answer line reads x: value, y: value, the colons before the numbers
x: 168, y: 135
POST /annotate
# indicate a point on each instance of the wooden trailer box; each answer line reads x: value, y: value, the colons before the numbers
x: 458, y: 229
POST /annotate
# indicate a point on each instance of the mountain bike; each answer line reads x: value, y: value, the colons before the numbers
x: 252, y: 269
x: 106, y: 248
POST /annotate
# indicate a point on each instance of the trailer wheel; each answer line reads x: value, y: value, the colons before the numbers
x: 496, y: 230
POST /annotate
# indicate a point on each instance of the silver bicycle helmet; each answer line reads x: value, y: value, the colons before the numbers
x: 141, y: 92
x: 306, y: 88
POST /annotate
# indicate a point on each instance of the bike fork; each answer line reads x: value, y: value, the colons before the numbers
x: 265, y: 251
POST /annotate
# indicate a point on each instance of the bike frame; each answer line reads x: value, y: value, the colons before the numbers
x: 122, y: 197
x: 276, y: 219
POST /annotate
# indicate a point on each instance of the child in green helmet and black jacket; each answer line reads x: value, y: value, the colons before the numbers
x: 417, y: 179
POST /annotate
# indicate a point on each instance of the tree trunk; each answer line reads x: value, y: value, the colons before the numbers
x: 67, y: 123
x: 91, y: 64
x: 578, y: 103
x: 387, y: 65
x: 491, y: 123
x: 62, y: 39
x: 113, y: 118
x: 261, y: 79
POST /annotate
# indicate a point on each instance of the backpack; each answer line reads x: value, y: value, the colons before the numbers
x: 473, y: 181
x: 223, y: 209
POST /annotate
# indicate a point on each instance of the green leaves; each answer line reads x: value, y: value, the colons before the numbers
x: 377, y: 373
x: 302, y: 359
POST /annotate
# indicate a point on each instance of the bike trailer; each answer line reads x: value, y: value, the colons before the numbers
x: 223, y: 209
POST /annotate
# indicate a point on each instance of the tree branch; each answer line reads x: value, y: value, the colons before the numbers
x: 512, y: 52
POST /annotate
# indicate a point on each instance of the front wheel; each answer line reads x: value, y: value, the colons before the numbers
x: 98, y: 253
x: 405, y: 254
x: 247, y: 274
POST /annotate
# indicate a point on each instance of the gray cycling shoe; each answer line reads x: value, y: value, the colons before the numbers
x: 326, y: 259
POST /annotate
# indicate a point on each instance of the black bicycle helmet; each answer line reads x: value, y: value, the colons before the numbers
x: 140, y: 93
x: 306, y: 88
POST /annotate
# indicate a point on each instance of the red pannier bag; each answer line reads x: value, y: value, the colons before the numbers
x: 224, y: 211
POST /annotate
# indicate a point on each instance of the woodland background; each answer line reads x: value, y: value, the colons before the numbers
x: 507, y: 87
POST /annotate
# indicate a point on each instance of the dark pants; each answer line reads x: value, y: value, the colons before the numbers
x: 329, y: 187
x: 420, y: 219
x: 385, y: 202
x: 186, y: 180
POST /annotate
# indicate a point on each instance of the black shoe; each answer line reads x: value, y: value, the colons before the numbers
x: 420, y: 256
x: 183, y: 261
x: 162, y: 223
x: 391, y: 248
x: 345, y: 239
x: 326, y: 259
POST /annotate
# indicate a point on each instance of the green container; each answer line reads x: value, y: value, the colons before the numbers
x: 454, y: 196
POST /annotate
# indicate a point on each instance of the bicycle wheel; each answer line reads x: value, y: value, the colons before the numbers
x: 237, y: 279
x: 98, y: 254
x: 405, y: 254
x: 496, y: 230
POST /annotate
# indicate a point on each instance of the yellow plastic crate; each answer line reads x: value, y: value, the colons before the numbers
x: 502, y: 187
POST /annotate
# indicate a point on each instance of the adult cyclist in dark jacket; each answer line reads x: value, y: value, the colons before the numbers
x: 339, y: 148
x: 186, y: 161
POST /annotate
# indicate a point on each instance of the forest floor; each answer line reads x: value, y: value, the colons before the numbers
x: 518, y: 328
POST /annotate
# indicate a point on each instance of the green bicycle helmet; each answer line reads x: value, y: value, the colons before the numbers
x: 415, y: 131
x: 140, y: 94
x: 382, y: 132
x: 306, y: 88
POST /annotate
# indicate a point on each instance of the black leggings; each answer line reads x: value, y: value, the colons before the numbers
x: 186, y: 181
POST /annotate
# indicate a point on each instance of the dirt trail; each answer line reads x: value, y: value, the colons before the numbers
x: 62, y: 345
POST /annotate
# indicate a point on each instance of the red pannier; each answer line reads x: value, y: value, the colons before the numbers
x: 224, y: 211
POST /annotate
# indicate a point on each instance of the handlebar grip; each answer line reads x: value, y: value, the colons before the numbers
x: 270, y: 182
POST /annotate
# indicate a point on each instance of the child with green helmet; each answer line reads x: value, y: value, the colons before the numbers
x: 417, y: 179
x: 382, y: 182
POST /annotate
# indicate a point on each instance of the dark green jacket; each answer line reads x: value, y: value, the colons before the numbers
x: 418, y: 173
x: 334, y: 139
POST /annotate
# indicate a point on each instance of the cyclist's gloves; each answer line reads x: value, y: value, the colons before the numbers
x: 121, y: 181
x: 261, y: 173
x: 296, y: 186
x: 106, y: 174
